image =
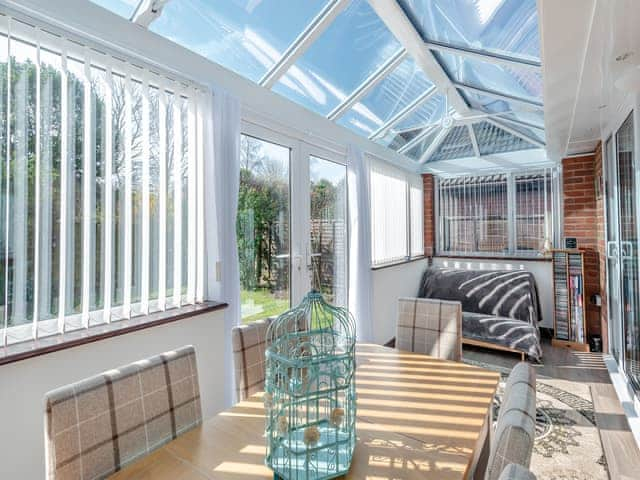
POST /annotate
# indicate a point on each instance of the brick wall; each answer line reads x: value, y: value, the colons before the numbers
x: 580, y: 221
x: 429, y: 215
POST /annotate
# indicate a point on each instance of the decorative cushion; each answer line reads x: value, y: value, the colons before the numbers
x: 516, y: 472
x: 430, y: 326
x: 249, y: 344
x: 98, y: 425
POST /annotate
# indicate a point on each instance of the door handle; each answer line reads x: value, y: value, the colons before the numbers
x: 612, y: 250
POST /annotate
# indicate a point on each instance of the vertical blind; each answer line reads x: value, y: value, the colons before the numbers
x: 396, y: 214
x: 99, y: 202
x: 496, y: 214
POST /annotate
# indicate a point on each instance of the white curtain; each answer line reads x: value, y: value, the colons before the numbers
x: 222, y: 172
x: 360, y: 278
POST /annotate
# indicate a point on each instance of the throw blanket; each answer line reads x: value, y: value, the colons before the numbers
x: 504, y: 293
x: 499, y: 307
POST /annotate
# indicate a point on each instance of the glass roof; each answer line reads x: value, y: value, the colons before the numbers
x: 355, y: 45
x: 124, y: 8
x: 503, y: 27
x: 246, y: 36
x: 393, y: 93
x: 348, y: 66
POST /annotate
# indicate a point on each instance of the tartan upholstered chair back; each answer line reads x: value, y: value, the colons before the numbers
x: 430, y: 326
x: 96, y: 426
x: 249, y: 345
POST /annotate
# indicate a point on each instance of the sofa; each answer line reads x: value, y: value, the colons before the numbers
x: 500, y: 308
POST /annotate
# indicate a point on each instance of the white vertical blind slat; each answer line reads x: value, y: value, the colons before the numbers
x: 108, y: 199
x: 146, y: 198
x: 128, y: 192
x: 177, y: 200
x: 88, y: 177
x: 162, y: 200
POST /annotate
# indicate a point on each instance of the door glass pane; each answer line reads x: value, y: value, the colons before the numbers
x: 629, y: 250
x: 613, y: 248
x: 263, y: 227
x: 328, y: 229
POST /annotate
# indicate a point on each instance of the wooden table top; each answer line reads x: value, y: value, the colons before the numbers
x: 418, y: 418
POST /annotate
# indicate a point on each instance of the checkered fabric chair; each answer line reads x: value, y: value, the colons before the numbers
x: 516, y: 472
x: 249, y: 345
x: 516, y: 427
x: 521, y: 382
x: 430, y: 326
x: 96, y: 426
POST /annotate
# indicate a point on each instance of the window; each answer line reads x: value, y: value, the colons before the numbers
x: 97, y: 187
x: 263, y: 227
x: 506, y: 214
x: 396, y: 214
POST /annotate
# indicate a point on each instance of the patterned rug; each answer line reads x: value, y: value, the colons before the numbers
x: 567, y: 445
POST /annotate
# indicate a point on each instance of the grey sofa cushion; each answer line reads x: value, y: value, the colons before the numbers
x: 505, y: 293
x: 516, y: 472
x: 508, y: 332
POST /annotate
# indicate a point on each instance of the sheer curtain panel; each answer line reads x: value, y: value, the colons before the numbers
x: 360, y: 278
x: 224, y: 174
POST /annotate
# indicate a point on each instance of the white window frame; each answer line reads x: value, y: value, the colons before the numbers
x: 92, y: 56
x: 411, y: 180
x: 552, y: 224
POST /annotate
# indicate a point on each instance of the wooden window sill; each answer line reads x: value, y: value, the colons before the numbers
x: 54, y: 343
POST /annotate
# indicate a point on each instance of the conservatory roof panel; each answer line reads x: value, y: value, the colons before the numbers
x: 467, y: 69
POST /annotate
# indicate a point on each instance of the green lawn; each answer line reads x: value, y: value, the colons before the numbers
x: 259, y: 304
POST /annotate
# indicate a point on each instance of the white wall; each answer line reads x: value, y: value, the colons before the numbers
x: 23, y: 384
x: 389, y: 284
x: 541, y: 271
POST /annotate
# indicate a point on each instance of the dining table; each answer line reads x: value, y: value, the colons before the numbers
x: 418, y: 417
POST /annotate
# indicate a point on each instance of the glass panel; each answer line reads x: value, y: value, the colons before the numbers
x: 136, y: 195
x: 613, y: 253
x: 21, y: 183
x: 421, y: 147
x: 532, y: 210
x: 263, y: 228
x: 388, y: 214
x: 388, y: 97
x: 510, y: 80
x: 318, y: 81
x: 171, y: 198
x: 492, y: 139
x: 473, y: 215
x: 507, y: 27
x: 416, y: 199
x: 124, y: 8
x: 245, y: 36
x: 429, y: 113
x: 627, y: 192
x: 328, y: 229
x: 534, y: 118
x: 50, y: 116
x: 4, y: 251
x: 117, y: 184
x: 457, y: 144
x: 154, y: 191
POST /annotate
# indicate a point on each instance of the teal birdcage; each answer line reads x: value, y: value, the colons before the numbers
x: 310, y: 391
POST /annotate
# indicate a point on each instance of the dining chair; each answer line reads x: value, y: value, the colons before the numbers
x: 96, y: 426
x: 249, y: 343
x: 516, y: 472
x: 522, y: 381
x: 430, y: 326
x: 513, y: 439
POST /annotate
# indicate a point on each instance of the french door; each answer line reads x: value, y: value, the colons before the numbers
x: 622, y: 250
x: 291, y: 224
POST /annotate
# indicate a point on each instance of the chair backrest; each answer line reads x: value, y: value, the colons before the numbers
x: 96, y: 426
x: 430, y: 326
x: 249, y: 344
x: 516, y: 472
x: 515, y: 431
x: 522, y: 380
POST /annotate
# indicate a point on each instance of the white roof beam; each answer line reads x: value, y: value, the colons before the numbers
x: 147, y: 11
x: 502, y: 96
x: 404, y: 113
x: 515, y: 132
x: 434, y: 145
x: 474, y: 139
x: 418, y: 138
x: 484, y: 56
x: 309, y: 35
x: 366, y: 86
x: 391, y: 13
